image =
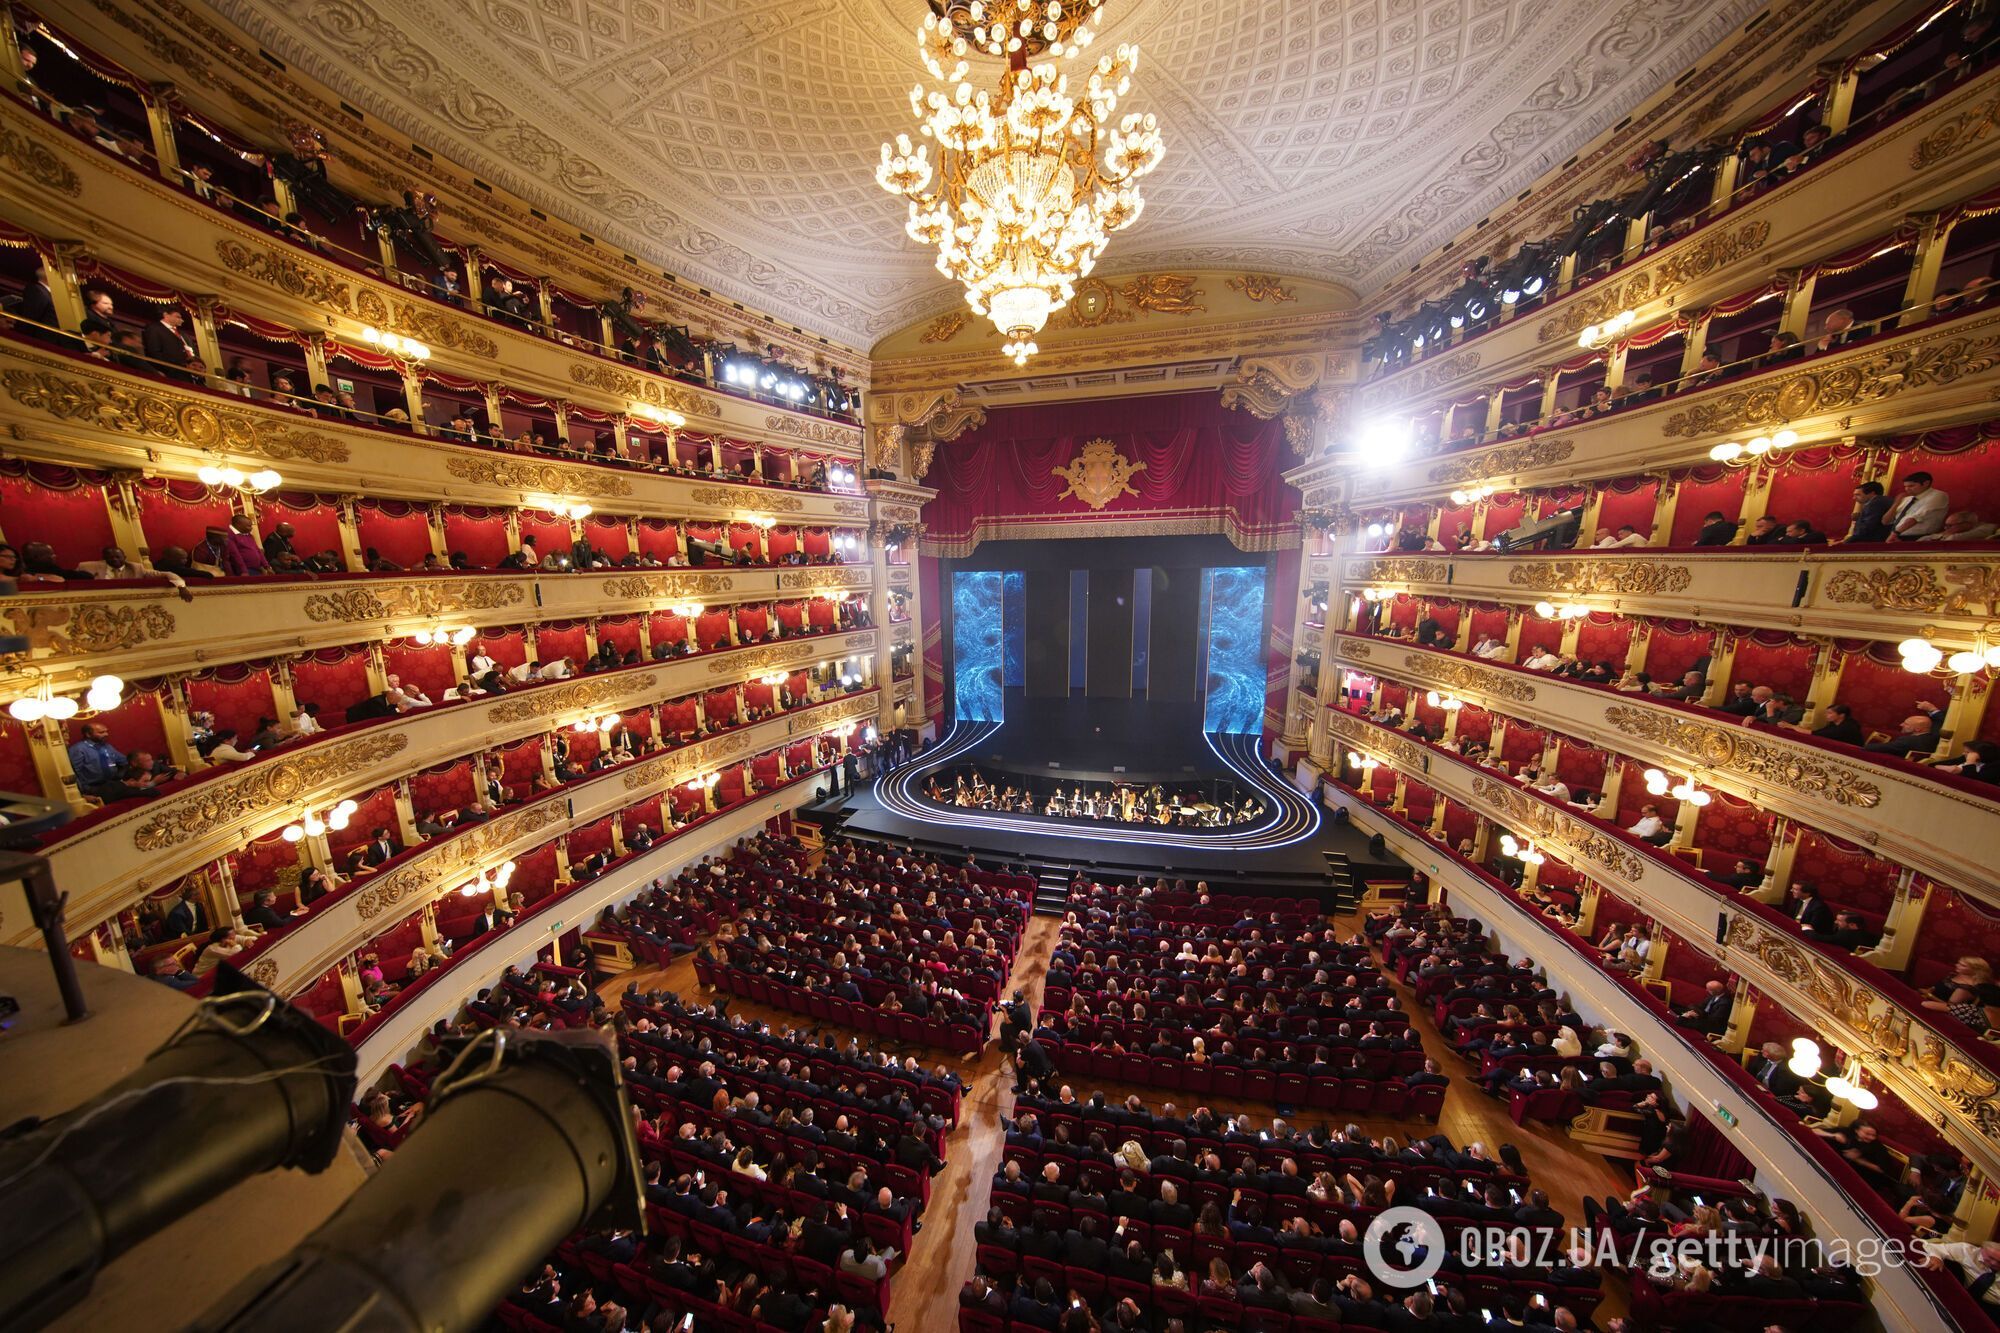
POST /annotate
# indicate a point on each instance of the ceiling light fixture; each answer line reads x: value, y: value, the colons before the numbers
x: 1030, y: 180
x: 1561, y: 610
x: 104, y: 695
x: 1745, y: 454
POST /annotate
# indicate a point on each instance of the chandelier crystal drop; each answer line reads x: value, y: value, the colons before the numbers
x: 1030, y: 179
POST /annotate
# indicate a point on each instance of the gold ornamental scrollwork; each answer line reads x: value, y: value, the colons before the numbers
x: 1505, y: 460
x: 1745, y: 753
x: 1355, y: 650
x: 1465, y: 676
x: 667, y: 397
x: 638, y: 586
x: 160, y: 415
x: 520, y: 474
x: 945, y: 327
x: 1552, y: 826
x: 1955, y: 135
x: 261, y: 788
x: 456, y: 858
x: 331, y: 292
x: 762, y: 659
x: 1871, y: 377
x: 730, y: 497
x: 1398, y: 569
x: 1098, y: 475
x: 1640, y: 576
x: 1976, y: 590
x: 819, y: 432
x: 1676, y: 270
x: 1266, y: 385
x: 421, y: 598
x: 823, y: 577
x: 39, y: 164
x: 1900, y: 588
x: 1408, y: 753
x: 568, y: 698
x: 65, y: 629
x: 1262, y: 287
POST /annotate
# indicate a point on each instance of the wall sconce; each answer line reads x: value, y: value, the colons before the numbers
x: 1748, y: 453
x: 605, y: 723
x: 235, y: 479
x: 1367, y: 763
x: 444, y: 635
x: 1524, y: 852
x: 1922, y: 657
x: 1449, y: 703
x: 1659, y: 784
x: 666, y: 418
x: 572, y: 509
x: 700, y: 784
x: 488, y: 881
x: 688, y: 610
x: 409, y: 349
x: 1474, y: 495
x: 105, y: 693
x: 1598, y: 334
x: 313, y: 825
x: 1561, y: 611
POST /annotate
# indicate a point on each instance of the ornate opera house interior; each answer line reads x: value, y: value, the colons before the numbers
x: 1014, y: 666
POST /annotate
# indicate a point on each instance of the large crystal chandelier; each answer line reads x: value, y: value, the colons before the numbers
x: 1031, y: 180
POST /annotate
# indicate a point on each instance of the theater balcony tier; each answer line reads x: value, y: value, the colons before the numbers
x: 1698, y: 1073
x: 1942, y: 373
x: 1924, y: 161
x: 1876, y: 592
x: 139, y: 847
x: 58, y: 188
x: 1951, y: 1079
x: 82, y: 630
x: 1930, y: 824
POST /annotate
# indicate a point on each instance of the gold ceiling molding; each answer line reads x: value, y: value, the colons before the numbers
x: 71, y: 628
x: 667, y: 585
x: 1897, y: 588
x: 568, y: 698
x: 731, y: 497
x: 1657, y: 280
x: 819, y: 432
x: 1955, y: 135
x: 521, y: 474
x: 920, y: 421
x: 1866, y: 378
x: 1096, y: 301
x: 1890, y: 1039
x: 1549, y: 825
x: 36, y: 161
x: 412, y: 599
x: 162, y: 415
x: 263, y: 788
x: 1743, y: 753
x: 1640, y: 576
x: 1098, y: 475
x: 667, y: 397
x: 1465, y: 676
x: 1266, y: 385
x: 331, y: 292
x: 1262, y: 287
x: 1399, y: 569
x: 456, y: 858
x: 1503, y: 461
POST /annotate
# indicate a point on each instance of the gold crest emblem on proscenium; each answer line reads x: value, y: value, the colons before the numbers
x: 1099, y: 475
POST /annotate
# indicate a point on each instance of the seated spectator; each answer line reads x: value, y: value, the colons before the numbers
x: 1649, y: 827
x: 1799, y: 532
x: 1764, y: 531
x: 1840, y: 726
x: 1963, y: 526
x: 101, y: 768
x: 1626, y: 536
x: 1913, y: 737
x: 1716, y: 530
x: 1980, y: 762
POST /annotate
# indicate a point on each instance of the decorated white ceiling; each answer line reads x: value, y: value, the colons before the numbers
x: 734, y: 142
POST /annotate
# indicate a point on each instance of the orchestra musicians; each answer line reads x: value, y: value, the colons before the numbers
x: 1119, y: 802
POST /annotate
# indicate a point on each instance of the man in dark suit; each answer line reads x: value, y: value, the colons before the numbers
x: 186, y: 917
x: 1050, y: 1189
x: 1711, y: 1016
x: 1716, y: 530
x: 1770, y: 1071
x: 1809, y: 909
x: 167, y: 349
x: 1083, y: 1247
x: 37, y: 307
x: 1168, y: 1210
x: 379, y: 848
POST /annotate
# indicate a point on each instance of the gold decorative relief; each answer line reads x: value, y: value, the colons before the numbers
x: 1680, y: 267
x: 668, y: 585
x: 1266, y: 385
x: 1901, y: 588
x: 945, y: 327
x: 1099, y: 475
x: 836, y: 576
x: 1955, y: 135
x: 667, y: 397
x: 1854, y: 381
x: 729, y: 497
x: 1503, y: 461
x: 1410, y: 755
x: 1263, y: 287
x: 819, y: 432
x: 66, y: 629
x: 456, y: 858
x: 568, y: 698
x: 161, y: 415
x: 264, y: 788
x: 38, y: 163
x: 763, y: 659
x: 418, y: 598
x: 1164, y: 294
x: 1457, y: 675
x: 1640, y: 576
x: 1550, y: 825
x: 1398, y: 569
x: 1744, y: 753
x: 851, y: 508
x: 1355, y: 650
x: 330, y: 291
x: 1977, y: 591
x: 525, y: 474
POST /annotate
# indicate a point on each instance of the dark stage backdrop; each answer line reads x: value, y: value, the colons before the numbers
x: 1047, y: 633
x: 1109, y: 664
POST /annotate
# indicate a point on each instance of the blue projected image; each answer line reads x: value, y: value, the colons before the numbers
x: 977, y: 621
x: 1234, y: 600
x: 1015, y: 599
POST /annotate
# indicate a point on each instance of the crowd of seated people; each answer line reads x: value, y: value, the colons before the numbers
x: 896, y: 932
x: 238, y: 177
x: 1122, y: 802
x: 1108, y: 1215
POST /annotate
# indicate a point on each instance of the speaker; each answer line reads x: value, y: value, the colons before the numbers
x: 1340, y: 817
x: 1378, y: 845
x: 1722, y: 927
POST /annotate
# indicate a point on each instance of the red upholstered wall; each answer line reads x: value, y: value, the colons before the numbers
x: 1816, y: 485
x: 1634, y: 507
x: 428, y: 668
x: 315, y: 521
x: 238, y: 696
x: 174, y: 512
x: 657, y: 539
x: 480, y: 533
x: 1768, y: 657
x: 1845, y: 875
x: 1604, y: 638
x: 333, y: 678
x: 1874, y: 684
x: 1672, y: 653
x: 447, y: 787
x: 61, y: 506
x: 1698, y: 497
x: 17, y: 761
x: 1193, y: 461
x: 399, y: 531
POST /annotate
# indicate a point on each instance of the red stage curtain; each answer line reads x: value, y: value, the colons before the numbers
x: 1697, y: 498
x: 427, y: 668
x: 1201, y: 462
x: 1604, y: 638
x: 607, y: 535
x: 179, y: 513
x: 481, y: 534
x: 1874, y: 684
x: 1774, y: 659
x: 238, y: 697
x: 400, y: 532
x: 62, y: 506
x: 449, y: 787
x: 336, y: 679
x: 315, y: 522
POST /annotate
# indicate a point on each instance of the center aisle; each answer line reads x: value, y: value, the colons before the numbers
x: 924, y: 1288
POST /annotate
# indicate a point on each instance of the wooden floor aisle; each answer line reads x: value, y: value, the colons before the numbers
x: 924, y: 1290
